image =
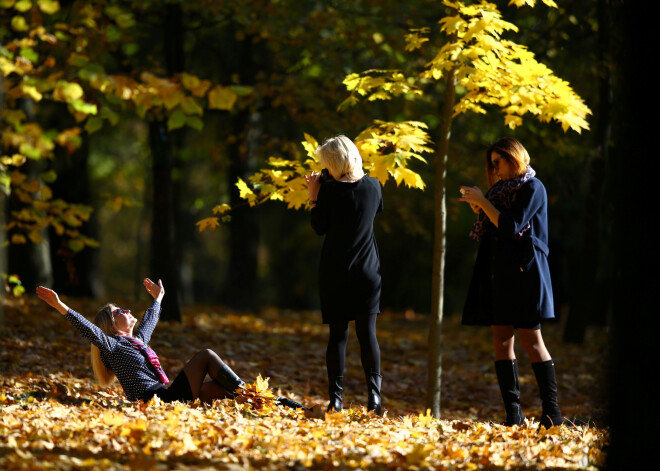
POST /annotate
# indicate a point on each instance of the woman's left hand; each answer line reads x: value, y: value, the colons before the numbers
x: 313, y: 185
x: 155, y: 290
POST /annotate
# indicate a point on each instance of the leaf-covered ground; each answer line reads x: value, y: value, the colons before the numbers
x: 52, y: 416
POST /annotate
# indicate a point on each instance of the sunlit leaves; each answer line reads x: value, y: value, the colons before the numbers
x: 53, y: 415
x: 491, y: 70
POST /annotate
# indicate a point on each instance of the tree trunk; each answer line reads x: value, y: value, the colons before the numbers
x: 589, y: 298
x: 31, y: 262
x: 164, y: 249
x: 435, y: 322
x: 74, y: 273
x: 240, y: 291
x: 165, y: 257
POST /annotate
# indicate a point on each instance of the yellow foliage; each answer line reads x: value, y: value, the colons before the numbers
x: 207, y: 223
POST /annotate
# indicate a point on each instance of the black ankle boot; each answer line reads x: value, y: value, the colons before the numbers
x: 374, y: 382
x: 507, y: 377
x: 229, y: 380
x: 335, y: 391
x: 547, y: 381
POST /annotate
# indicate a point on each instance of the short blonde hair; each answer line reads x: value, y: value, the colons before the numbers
x: 105, y: 321
x: 339, y: 155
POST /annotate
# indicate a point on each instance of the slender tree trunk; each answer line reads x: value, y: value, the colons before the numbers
x: 437, y: 301
x: 74, y: 273
x: 165, y: 257
x: 240, y: 291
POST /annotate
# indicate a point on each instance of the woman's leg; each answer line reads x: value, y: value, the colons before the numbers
x: 506, y: 368
x: 335, y: 361
x: 503, y: 341
x: 544, y: 370
x: 365, y: 328
x: 533, y: 344
x: 208, y: 362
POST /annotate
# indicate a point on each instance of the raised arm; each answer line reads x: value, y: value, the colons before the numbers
x: 52, y: 299
x: 84, y: 327
x: 151, y: 315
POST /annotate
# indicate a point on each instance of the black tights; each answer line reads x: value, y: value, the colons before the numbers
x: 335, y: 355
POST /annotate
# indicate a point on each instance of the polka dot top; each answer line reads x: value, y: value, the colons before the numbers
x: 133, y: 370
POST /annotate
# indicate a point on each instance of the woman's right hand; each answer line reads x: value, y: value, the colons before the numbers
x: 52, y: 299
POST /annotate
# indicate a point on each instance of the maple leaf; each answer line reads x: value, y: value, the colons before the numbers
x: 207, y: 223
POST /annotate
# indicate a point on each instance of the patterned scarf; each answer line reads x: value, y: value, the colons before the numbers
x: 502, y: 194
x: 150, y: 355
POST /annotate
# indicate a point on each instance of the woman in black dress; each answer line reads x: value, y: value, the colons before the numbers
x: 511, y: 288
x: 343, y: 209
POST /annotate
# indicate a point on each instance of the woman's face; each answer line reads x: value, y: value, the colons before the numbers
x: 124, y: 320
x: 503, y: 169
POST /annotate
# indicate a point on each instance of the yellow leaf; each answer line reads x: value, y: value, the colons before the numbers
x: 67, y: 91
x: 18, y: 239
x: 222, y: 98
x: 245, y: 192
x: 207, y: 223
x: 221, y: 209
x: 112, y: 418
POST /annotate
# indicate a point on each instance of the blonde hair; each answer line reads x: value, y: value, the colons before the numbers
x: 339, y: 155
x: 512, y: 151
x: 105, y: 321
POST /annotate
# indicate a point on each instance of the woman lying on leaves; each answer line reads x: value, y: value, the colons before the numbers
x: 116, y: 351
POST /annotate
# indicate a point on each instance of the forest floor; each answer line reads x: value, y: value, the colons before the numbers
x: 53, y: 416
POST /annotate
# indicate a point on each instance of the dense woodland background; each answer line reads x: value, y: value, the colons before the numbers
x: 284, y: 63
x: 292, y: 57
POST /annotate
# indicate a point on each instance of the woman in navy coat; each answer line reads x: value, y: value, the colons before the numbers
x: 510, y: 288
x: 343, y: 209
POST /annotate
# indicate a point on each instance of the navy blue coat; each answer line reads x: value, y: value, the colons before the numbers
x: 511, y: 280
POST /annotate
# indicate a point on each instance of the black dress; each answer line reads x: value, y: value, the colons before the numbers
x: 349, y: 273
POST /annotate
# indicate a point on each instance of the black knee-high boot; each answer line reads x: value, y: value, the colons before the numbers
x: 335, y: 391
x: 229, y: 380
x: 374, y: 382
x: 547, y: 381
x: 507, y: 377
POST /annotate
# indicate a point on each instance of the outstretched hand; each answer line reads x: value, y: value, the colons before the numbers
x: 52, y: 299
x: 155, y: 290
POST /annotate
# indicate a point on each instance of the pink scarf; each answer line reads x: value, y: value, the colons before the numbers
x: 150, y: 355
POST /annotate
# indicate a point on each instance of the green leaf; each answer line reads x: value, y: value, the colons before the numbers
x: 83, y: 107
x: 195, y: 122
x: 23, y: 5
x: 19, y: 24
x: 29, y: 53
x: 76, y: 245
x: 93, y: 124
x: 177, y: 120
x: 49, y: 6
x: 49, y: 177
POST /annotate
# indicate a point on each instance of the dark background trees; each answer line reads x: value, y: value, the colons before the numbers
x: 282, y: 63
